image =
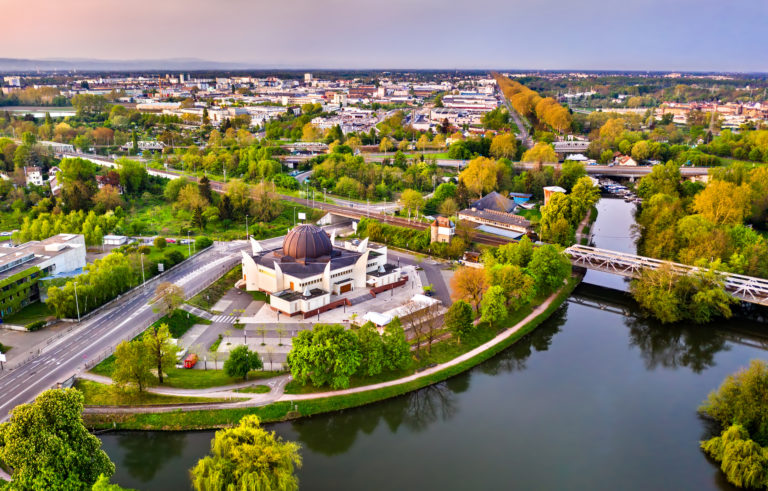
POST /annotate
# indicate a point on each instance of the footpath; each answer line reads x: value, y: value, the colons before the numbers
x: 278, y: 383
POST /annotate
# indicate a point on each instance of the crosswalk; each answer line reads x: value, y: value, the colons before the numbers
x: 224, y: 319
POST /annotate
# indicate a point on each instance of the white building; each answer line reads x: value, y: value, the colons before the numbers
x: 33, y: 175
x: 309, y: 273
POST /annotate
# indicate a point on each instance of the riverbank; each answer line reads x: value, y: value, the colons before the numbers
x: 296, y: 406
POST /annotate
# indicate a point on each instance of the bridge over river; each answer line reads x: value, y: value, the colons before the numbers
x: 745, y: 288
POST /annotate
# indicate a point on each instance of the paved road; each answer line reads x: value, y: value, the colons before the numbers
x: 523, y: 131
x: 97, y: 336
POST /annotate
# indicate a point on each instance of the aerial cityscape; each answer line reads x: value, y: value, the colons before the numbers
x: 324, y: 245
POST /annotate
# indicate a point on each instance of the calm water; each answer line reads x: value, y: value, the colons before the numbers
x: 593, y: 399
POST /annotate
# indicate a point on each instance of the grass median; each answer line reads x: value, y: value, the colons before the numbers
x: 279, y: 411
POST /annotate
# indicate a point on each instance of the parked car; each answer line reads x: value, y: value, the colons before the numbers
x: 170, y: 241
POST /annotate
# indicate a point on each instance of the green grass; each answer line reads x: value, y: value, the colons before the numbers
x: 184, y: 378
x: 208, y: 297
x: 159, y: 254
x: 256, y: 389
x: 280, y: 411
x: 97, y: 394
x: 533, y: 215
x: 33, y: 312
x: 180, y: 321
x: 260, y: 296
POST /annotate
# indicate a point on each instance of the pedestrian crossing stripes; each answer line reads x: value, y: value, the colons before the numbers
x: 224, y: 319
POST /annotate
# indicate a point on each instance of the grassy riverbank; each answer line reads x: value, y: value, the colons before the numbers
x: 97, y: 394
x: 188, y: 420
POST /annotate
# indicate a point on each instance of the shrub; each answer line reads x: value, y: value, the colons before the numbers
x: 160, y: 242
x: 36, y: 326
x: 202, y: 242
x: 144, y: 250
x: 173, y: 257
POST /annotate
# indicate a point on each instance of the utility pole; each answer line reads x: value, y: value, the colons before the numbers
x: 189, y: 245
x: 246, y: 227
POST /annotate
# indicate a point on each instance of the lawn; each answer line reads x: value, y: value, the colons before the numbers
x: 256, y: 389
x: 180, y: 321
x: 97, y: 394
x: 158, y: 217
x: 184, y: 378
x: 208, y: 297
x: 33, y: 312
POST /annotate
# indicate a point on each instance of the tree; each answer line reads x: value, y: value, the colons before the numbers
x: 133, y: 175
x: 48, y: 446
x: 161, y: 348
x: 723, y: 203
x: 133, y: 365
x: 310, y: 133
x: 459, y: 318
x: 541, y: 152
x: 261, y: 331
x: 411, y: 200
x: 386, y: 145
x: 469, y: 284
x: 741, y: 398
x: 397, y: 351
x: 205, y: 188
x: 518, y: 287
x: 108, y: 198
x: 371, y: 351
x: 493, y: 305
x: 481, y: 175
x: 160, y: 242
x: 325, y: 355
x: 241, y: 361
x: 504, y: 146
x: 248, y: 457
x: 449, y: 207
x: 549, y: 267
x: 168, y: 297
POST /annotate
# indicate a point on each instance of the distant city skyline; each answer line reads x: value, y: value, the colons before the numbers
x: 679, y: 35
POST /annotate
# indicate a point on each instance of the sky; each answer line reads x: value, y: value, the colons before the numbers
x: 677, y: 35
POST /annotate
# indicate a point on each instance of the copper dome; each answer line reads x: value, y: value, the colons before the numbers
x: 307, y: 242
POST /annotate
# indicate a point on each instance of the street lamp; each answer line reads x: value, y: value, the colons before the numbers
x: 246, y: 227
x: 143, y: 280
x: 77, y: 304
x: 189, y: 245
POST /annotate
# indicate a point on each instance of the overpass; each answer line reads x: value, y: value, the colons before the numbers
x: 745, y: 288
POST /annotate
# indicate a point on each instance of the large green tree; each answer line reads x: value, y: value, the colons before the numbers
x: 325, y: 355
x: 371, y: 350
x: 48, y: 446
x: 493, y: 308
x: 459, y: 318
x: 248, y: 457
x: 550, y: 267
x: 397, y: 351
x: 161, y: 348
x: 133, y: 365
x: 241, y: 361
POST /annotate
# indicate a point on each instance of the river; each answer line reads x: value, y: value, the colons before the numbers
x: 593, y: 399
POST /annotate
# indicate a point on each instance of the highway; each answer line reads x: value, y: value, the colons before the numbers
x: 96, y: 337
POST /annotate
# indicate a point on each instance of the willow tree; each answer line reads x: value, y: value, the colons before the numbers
x: 248, y: 457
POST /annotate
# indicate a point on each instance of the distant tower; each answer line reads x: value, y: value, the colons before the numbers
x: 308, y: 78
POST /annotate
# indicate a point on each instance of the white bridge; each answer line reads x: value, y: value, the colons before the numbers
x: 745, y: 288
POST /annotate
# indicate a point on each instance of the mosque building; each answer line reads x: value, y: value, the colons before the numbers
x: 309, y: 274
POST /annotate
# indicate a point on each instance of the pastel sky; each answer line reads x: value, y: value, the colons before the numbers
x: 723, y: 35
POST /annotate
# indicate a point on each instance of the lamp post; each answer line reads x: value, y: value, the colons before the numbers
x: 77, y: 304
x: 246, y: 227
x: 143, y: 280
x: 189, y: 245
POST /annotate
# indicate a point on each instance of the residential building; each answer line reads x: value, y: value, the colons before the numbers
x: 33, y: 175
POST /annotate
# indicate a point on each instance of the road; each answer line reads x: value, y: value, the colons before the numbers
x: 523, y: 131
x: 96, y: 337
